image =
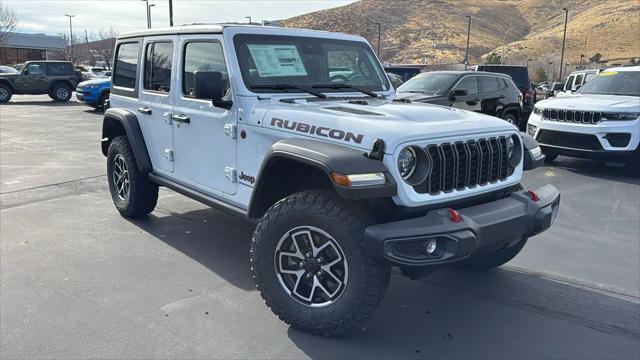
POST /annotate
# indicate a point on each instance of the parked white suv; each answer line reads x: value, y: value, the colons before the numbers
x: 299, y: 131
x: 600, y: 121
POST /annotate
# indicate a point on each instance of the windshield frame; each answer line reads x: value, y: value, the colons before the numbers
x: 604, y: 74
x: 240, y: 40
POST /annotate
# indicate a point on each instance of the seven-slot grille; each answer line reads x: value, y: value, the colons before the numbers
x: 572, y: 116
x: 461, y: 165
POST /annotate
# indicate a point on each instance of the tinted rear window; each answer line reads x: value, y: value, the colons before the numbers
x: 59, y: 69
x: 488, y: 83
x: 124, y: 73
x: 518, y: 74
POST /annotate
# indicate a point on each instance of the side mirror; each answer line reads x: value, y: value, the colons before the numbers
x: 458, y: 92
x: 26, y: 71
x: 210, y: 85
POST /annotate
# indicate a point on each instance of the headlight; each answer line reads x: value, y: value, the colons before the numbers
x: 614, y: 117
x: 407, y: 161
x: 514, y: 150
x: 537, y: 110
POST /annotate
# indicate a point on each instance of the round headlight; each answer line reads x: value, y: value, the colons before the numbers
x: 407, y: 161
x: 513, y: 150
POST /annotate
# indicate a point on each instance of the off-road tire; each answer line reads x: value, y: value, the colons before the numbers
x: 5, y: 93
x: 511, y: 119
x: 142, y: 196
x: 493, y: 259
x: 56, y: 92
x: 345, y: 221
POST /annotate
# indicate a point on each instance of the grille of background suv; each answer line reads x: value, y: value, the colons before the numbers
x: 572, y: 116
x: 461, y: 165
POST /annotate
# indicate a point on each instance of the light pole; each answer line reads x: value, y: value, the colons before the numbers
x: 466, y: 54
x: 504, y: 40
x: 70, y: 37
x: 170, y: 12
x: 564, y: 38
x: 549, y: 77
x: 379, y: 34
x: 581, y: 57
x: 148, y: 13
x: 248, y: 17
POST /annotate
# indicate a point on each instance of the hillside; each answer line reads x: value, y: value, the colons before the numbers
x: 435, y: 31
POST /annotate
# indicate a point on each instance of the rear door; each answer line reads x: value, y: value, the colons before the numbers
x: 471, y: 101
x: 204, y: 137
x: 490, y: 93
x: 156, y: 104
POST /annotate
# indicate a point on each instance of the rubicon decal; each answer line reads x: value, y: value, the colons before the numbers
x: 317, y: 130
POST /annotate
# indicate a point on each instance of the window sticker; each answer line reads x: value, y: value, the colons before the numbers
x: 277, y: 60
x: 608, y: 73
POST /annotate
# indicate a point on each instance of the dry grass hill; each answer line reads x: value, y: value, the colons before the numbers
x: 435, y: 31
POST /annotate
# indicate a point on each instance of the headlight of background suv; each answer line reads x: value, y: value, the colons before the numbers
x: 616, y: 117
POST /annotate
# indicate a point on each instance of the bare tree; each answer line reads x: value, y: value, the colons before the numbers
x: 102, y: 45
x: 8, y: 21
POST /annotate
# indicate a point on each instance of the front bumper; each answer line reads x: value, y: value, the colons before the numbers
x: 87, y: 95
x: 483, y: 228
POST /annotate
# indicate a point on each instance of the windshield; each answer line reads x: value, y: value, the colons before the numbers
x: 273, y: 60
x: 436, y: 84
x: 613, y: 83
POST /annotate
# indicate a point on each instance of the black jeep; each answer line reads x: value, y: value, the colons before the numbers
x: 56, y: 78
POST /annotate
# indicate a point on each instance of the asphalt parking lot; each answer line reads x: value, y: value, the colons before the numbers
x: 79, y: 281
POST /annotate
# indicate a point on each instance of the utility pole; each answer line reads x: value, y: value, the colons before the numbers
x: 148, y: 13
x: 548, y: 74
x: 248, y: 17
x: 504, y: 40
x: 70, y: 37
x: 466, y: 54
x: 170, y: 12
x: 564, y: 38
x: 379, y: 34
x: 581, y: 57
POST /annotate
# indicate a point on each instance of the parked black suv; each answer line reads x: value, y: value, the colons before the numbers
x: 489, y: 93
x: 405, y: 72
x: 520, y: 76
x: 56, y: 78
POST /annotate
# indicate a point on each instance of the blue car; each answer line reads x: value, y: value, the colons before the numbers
x: 94, y: 92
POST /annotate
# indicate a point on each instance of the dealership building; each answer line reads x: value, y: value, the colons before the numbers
x: 20, y: 47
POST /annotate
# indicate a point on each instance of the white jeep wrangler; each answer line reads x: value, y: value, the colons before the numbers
x: 299, y: 131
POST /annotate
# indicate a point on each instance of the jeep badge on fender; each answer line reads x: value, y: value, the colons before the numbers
x: 345, y: 182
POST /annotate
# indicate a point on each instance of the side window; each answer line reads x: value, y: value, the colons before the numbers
x: 579, y: 79
x: 488, y: 84
x: 469, y: 83
x: 202, y: 56
x: 35, y: 69
x: 157, y: 66
x: 569, y: 83
x: 503, y: 83
x: 57, y: 69
x: 124, y: 72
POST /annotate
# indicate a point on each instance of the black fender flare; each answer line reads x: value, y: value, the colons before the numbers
x: 528, y: 144
x: 327, y: 157
x: 118, y: 122
x: 8, y: 83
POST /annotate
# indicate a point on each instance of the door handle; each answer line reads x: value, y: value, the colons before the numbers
x: 144, y: 110
x: 181, y: 118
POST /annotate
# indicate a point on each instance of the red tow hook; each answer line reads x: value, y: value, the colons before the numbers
x: 455, y: 216
x: 533, y: 196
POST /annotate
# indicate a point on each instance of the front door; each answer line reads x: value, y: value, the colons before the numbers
x: 471, y: 101
x: 33, y: 79
x: 205, y: 153
x: 155, y: 105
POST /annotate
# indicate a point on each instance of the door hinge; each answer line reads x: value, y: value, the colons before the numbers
x: 230, y: 130
x: 230, y: 174
x: 168, y: 153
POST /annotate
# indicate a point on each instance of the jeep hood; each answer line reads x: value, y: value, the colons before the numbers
x: 359, y: 125
x: 601, y: 103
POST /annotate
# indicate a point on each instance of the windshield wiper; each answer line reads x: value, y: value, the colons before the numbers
x: 345, y: 86
x: 289, y: 86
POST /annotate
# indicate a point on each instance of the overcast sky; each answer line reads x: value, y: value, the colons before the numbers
x: 36, y: 16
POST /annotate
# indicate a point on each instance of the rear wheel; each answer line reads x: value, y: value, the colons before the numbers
x: 133, y: 194
x: 61, y: 92
x: 5, y: 93
x: 494, y: 259
x: 309, y: 266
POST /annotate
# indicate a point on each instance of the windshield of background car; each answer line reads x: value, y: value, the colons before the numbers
x: 436, y: 84
x: 613, y: 83
x: 8, y: 70
x: 306, y: 61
